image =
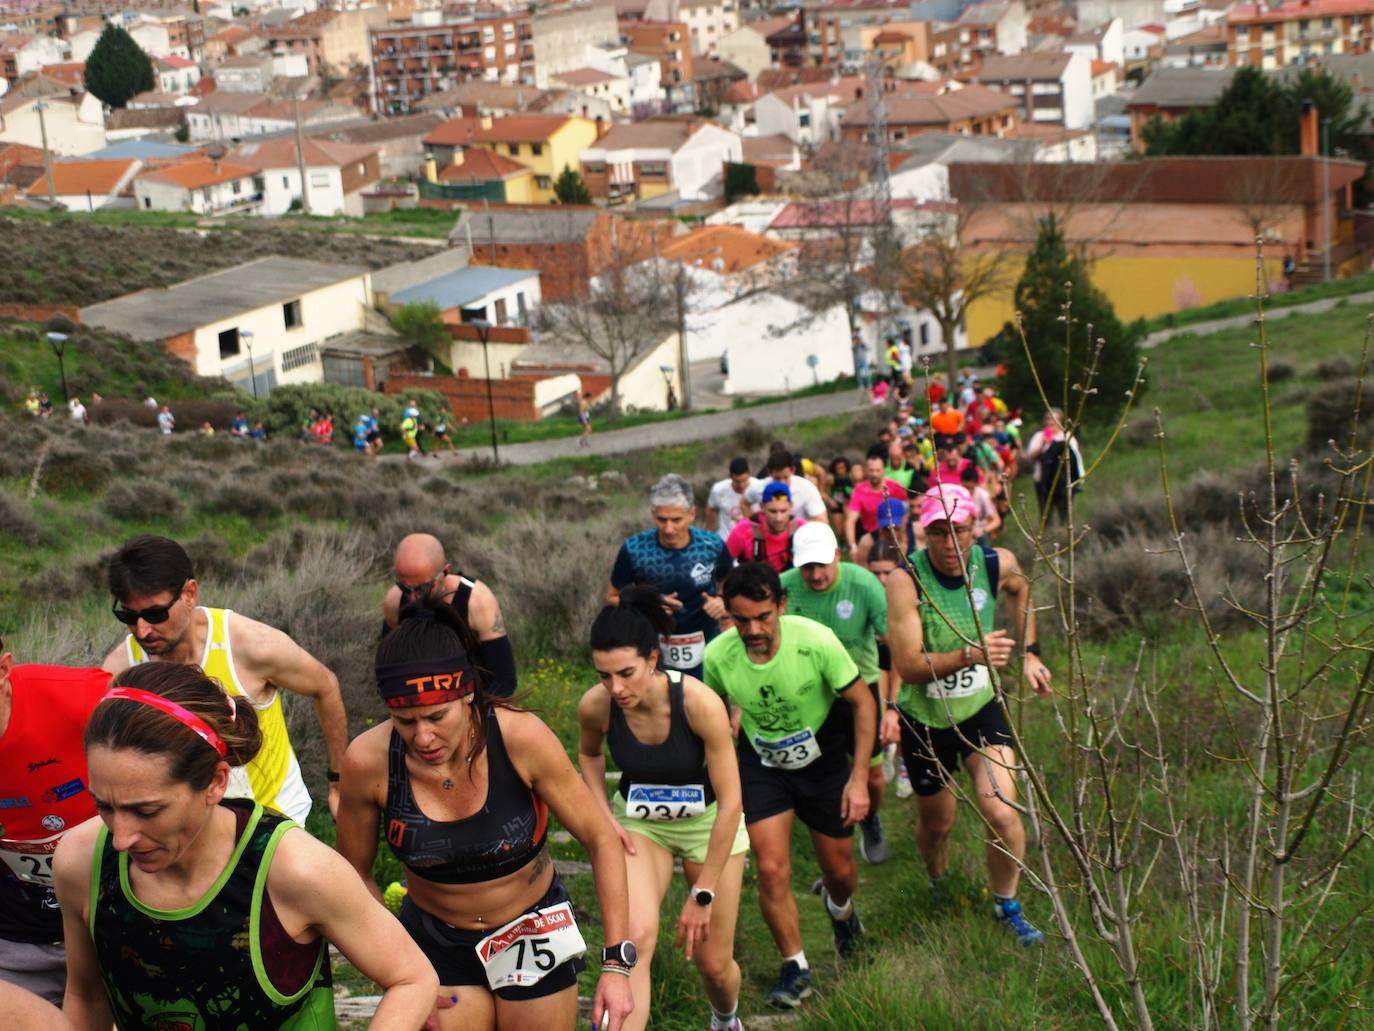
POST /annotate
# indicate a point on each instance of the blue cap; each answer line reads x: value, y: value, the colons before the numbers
x: 776, y: 490
x: 891, y: 513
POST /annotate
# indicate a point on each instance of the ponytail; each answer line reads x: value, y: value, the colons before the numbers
x: 637, y: 622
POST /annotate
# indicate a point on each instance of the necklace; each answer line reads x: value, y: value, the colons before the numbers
x: 448, y: 784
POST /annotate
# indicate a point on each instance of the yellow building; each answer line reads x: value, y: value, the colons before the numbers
x: 1162, y: 234
x: 545, y: 144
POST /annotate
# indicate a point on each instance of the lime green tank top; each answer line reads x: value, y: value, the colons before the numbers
x: 954, y: 698
x: 275, y: 775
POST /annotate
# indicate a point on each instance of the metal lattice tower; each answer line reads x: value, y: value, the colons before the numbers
x: 878, y: 173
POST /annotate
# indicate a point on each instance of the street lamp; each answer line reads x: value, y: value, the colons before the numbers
x: 246, y: 335
x: 667, y: 371
x: 58, y: 342
x: 483, y: 328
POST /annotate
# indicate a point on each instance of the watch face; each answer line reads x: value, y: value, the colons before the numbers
x: 705, y: 898
x: 629, y: 953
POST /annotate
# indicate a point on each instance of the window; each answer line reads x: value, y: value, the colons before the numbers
x: 520, y: 305
x: 471, y: 314
x: 514, y: 149
x: 508, y: 31
x: 536, y: 149
x: 500, y: 311
x: 510, y: 50
x: 285, y: 183
x: 319, y: 179
x: 237, y: 186
x: 297, y: 357
x: 291, y: 314
x: 925, y: 333
x: 147, y: 202
x: 488, y: 33
x: 543, y: 182
x: 229, y: 343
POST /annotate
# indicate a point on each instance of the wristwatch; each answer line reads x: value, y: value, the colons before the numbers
x: 331, y: 775
x: 703, y: 896
x: 1033, y: 649
x: 623, y: 954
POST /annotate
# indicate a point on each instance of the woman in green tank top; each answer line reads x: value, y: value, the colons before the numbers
x: 181, y: 909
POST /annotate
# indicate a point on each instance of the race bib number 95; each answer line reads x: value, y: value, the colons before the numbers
x: 789, y: 753
x: 959, y: 684
x: 665, y: 801
x: 526, y: 949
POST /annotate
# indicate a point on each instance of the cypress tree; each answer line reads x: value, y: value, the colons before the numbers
x: 117, y: 68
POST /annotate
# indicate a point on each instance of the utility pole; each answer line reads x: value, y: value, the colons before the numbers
x: 1326, y: 198
x: 40, y: 107
x: 300, y: 153
x: 685, y: 370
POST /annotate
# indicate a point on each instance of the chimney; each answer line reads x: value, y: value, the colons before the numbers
x: 1309, y: 133
x: 431, y: 170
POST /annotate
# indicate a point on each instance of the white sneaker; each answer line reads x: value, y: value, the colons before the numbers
x: 903, y: 781
x: 889, y: 764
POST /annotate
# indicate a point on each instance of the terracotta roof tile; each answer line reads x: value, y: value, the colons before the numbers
x: 520, y: 128
x: 456, y: 132
x: 735, y: 248
x: 479, y: 164
x: 69, y: 178
x: 198, y: 173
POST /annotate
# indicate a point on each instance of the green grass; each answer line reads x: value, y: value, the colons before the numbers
x: 1246, y: 306
x: 27, y: 361
x: 428, y: 223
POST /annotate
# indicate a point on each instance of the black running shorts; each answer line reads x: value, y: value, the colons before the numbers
x: 934, y: 755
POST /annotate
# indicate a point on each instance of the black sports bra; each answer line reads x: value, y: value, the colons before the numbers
x: 679, y: 759
x: 499, y: 839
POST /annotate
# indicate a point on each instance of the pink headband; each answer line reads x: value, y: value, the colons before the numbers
x: 946, y: 501
x: 180, y: 713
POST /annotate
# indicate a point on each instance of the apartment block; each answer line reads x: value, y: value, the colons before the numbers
x: 1271, y: 35
x: 412, y: 62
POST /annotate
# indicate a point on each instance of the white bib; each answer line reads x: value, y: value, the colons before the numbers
x: 526, y: 949
x: 665, y: 801
x: 683, y: 651
x: 959, y: 684
x: 30, y: 860
x: 789, y: 753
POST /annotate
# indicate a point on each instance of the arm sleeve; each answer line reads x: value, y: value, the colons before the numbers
x: 724, y: 559
x: 623, y: 572
x: 497, y: 658
x: 814, y: 507
x: 878, y: 606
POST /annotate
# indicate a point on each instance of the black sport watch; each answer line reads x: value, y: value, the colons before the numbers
x: 703, y: 896
x: 623, y: 954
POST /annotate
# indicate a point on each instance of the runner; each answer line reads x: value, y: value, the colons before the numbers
x: 677, y: 799
x: 374, y: 430
x: 361, y: 442
x: 441, y: 431
x: 584, y: 416
x: 783, y: 675
x: 685, y: 564
x: 156, y: 596
x: 184, y: 909
x: 987, y: 521
x: 410, y: 435
x: 840, y: 489
x: 767, y: 535
x: 43, y: 713
x: 462, y: 783
x: 849, y: 600
x: 725, y: 505
x: 868, y: 494
x: 947, y: 713
x: 806, y: 497
x: 423, y: 572
x: 883, y: 560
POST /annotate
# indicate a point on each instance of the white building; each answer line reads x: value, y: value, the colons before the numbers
x: 807, y: 114
x: 244, y: 73
x: 74, y: 126
x: 176, y: 74
x: 674, y: 154
x: 265, y: 320
x: 30, y: 53
x: 1105, y: 42
x: 1052, y: 88
x: 337, y: 174
x: 88, y: 185
x: 154, y: 40
x: 708, y: 21
x: 228, y: 116
x: 202, y: 185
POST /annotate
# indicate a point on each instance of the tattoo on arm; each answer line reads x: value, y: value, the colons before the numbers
x: 498, y: 625
x: 541, y: 863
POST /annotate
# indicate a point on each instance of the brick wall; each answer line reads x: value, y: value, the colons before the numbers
x: 39, y: 312
x: 512, y: 399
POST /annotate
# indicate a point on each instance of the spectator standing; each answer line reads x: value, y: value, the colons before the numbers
x: 863, y: 371
x: 238, y: 427
x: 76, y: 411
x: 166, y: 421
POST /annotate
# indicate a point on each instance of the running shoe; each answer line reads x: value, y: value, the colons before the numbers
x: 889, y: 764
x: 847, y: 932
x: 872, y: 840
x: 734, y: 1025
x: 793, y: 985
x: 904, y: 788
x: 1011, y: 917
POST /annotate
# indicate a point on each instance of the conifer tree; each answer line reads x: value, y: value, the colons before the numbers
x: 117, y: 68
x: 569, y: 187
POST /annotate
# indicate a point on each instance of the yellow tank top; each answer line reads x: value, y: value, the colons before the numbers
x: 274, y: 774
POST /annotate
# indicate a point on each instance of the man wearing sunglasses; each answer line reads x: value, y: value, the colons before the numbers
x: 156, y: 596
x: 43, y: 714
x: 423, y: 572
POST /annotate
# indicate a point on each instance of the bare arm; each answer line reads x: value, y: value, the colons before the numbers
x: 362, y: 783
x: 84, y: 1004
x: 118, y: 659
x: 709, y: 720
x: 712, y: 518
x: 851, y: 526
x: 593, y: 714
x: 854, y: 806
x: 314, y: 887
x: 391, y: 606
x: 906, y: 639
x: 612, y: 594
x: 25, y: 1011
x: 1015, y: 587
x: 484, y: 613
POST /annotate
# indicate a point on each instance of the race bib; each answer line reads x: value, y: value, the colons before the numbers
x: 959, y: 684
x: 789, y: 753
x: 665, y: 801
x: 683, y: 651
x: 30, y: 860
x: 526, y: 949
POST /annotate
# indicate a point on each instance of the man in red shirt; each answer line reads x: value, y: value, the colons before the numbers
x: 867, y: 495
x: 947, y: 420
x: 766, y: 536
x: 43, y: 794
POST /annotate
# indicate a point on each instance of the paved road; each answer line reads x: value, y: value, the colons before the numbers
x: 678, y: 431
x: 1240, y: 321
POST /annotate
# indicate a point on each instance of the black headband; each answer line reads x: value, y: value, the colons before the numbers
x: 425, y: 681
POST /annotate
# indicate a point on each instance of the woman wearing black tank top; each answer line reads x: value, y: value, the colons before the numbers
x: 678, y: 798
x: 461, y: 784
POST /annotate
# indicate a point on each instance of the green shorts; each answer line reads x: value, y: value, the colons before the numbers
x: 685, y: 839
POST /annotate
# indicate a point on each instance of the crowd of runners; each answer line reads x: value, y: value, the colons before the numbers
x: 831, y: 628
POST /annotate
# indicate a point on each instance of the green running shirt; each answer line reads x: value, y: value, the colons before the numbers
x: 961, y: 694
x: 789, y: 695
x: 854, y: 607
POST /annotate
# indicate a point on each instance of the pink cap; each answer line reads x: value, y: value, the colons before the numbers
x: 946, y: 501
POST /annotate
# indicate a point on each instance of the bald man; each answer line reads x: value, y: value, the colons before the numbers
x: 422, y: 571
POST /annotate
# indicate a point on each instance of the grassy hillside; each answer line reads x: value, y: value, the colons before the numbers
x: 303, y: 538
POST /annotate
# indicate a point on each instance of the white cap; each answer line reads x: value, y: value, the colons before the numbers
x: 814, y: 542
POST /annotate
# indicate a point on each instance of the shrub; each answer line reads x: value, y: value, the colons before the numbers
x: 248, y: 500
x: 17, y: 520
x: 1334, y: 368
x: 141, y: 499
x: 284, y: 410
x: 1330, y: 413
x: 750, y: 436
x: 70, y: 467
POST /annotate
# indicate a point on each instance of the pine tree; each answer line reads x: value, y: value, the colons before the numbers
x: 569, y: 187
x: 117, y: 68
x: 1053, y: 279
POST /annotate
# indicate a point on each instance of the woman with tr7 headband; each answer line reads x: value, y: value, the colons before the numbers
x: 679, y: 795
x: 462, y: 783
x: 183, y: 908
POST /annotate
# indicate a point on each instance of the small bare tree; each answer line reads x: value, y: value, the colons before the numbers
x: 617, y: 317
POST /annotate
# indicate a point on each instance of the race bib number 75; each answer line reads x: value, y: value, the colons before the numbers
x: 523, y: 951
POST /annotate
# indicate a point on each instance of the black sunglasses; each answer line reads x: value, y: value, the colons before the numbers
x: 152, y: 615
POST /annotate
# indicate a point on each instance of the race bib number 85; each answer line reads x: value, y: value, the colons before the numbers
x: 789, y: 753
x: 526, y: 949
x: 665, y: 801
x: 959, y: 684
x: 683, y: 651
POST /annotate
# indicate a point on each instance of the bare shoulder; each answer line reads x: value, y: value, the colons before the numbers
x: 522, y: 730
x: 367, y: 752
x: 594, y: 708
x: 253, y: 640
x: 701, y: 703
x: 71, y: 863
x: 391, y: 606
x: 1007, y: 563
